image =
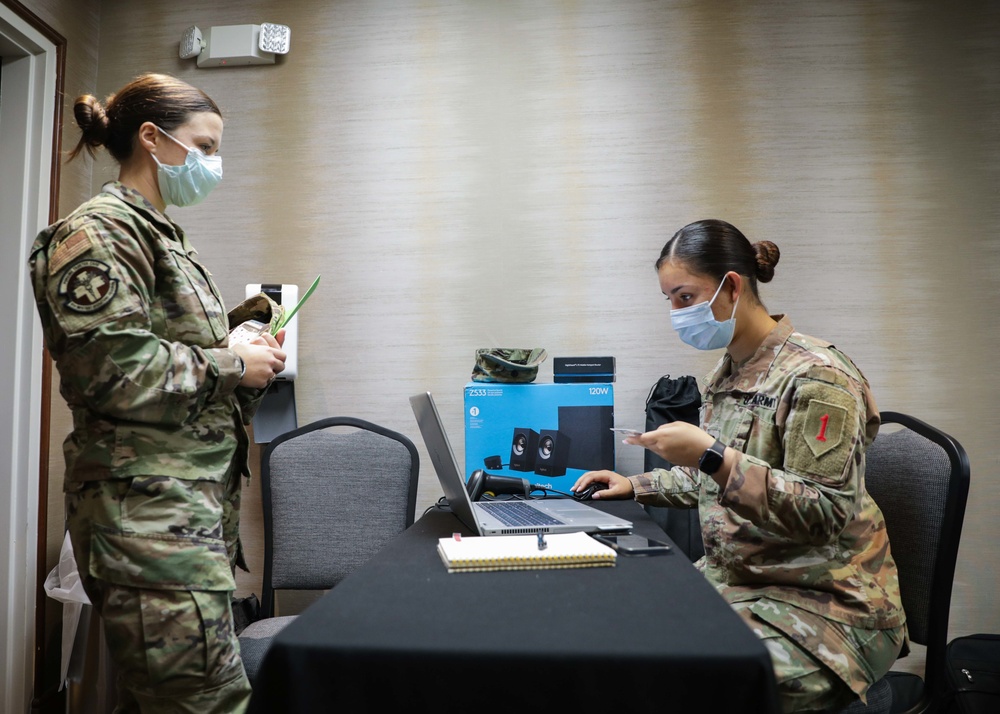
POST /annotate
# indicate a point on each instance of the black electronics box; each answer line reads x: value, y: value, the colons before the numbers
x: 583, y: 369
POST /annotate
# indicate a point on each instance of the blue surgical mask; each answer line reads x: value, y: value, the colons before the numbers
x: 697, y: 326
x: 189, y: 183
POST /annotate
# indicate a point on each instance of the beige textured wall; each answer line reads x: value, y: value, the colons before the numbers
x: 466, y: 174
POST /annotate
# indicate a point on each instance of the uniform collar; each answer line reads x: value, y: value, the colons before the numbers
x: 748, y: 376
x: 137, y: 201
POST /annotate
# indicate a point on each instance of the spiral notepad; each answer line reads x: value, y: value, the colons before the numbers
x: 521, y: 552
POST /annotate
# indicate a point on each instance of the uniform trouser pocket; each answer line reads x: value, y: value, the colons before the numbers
x: 153, y: 555
x: 175, y: 649
x: 152, y: 532
x: 818, y: 662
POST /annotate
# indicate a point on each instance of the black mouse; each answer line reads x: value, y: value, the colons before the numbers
x: 588, y: 493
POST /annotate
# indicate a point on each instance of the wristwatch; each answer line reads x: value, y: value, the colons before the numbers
x: 711, y: 460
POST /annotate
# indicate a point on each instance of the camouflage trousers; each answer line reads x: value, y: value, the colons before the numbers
x: 156, y: 557
x: 819, y: 664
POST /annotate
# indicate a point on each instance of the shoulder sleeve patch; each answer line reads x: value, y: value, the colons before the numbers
x: 824, y: 427
x: 87, y: 286
x: 90, y: 287
x: 69, y: 250
x: 822, y: 432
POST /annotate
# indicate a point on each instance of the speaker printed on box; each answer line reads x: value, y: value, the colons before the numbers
x: 523, y: 449
x: 553, y: 453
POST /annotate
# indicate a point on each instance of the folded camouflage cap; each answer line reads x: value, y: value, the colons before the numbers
x: 502, y: 364
x: 259, y: 307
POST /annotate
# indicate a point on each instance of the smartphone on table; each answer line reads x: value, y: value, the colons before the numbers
x: 634, y: 544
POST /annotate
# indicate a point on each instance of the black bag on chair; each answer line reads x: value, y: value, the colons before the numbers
x: 973, y: 664
x: 245, y: 611
x: 674, y: 400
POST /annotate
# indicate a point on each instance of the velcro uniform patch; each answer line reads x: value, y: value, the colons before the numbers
x: 822, y: 431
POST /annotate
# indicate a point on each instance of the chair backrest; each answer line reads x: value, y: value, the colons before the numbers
x: 331, y: 500
x: 919, y: 477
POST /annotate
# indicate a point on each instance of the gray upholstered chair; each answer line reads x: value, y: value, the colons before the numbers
x: 331, y: 500
x: 919, y: 477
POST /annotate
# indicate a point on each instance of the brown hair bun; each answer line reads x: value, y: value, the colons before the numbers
x: 767, y: 257
x: 93, y: 123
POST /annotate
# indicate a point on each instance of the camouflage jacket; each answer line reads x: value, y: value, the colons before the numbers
x: 138, y: 332
x: 794, y: 522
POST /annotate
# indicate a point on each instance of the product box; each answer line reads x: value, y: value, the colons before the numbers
x: 583, y: 369
x: 549, y: 434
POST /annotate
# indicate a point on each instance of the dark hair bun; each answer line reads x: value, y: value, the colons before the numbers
x: 767, y: 257
x: 92, y: 120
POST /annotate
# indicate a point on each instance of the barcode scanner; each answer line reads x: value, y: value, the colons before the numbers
x: 481, y: 483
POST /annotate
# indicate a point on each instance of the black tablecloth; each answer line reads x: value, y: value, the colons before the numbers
x: 648, y: 635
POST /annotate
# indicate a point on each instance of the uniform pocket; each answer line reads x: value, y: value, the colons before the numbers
x: 189, y: 643
x: 191, y: 302
x: 734, y: 430
x: 160, y: 562
x: 175, y: 641
x: 168, y: 535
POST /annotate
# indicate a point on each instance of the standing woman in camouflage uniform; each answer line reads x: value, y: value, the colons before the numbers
x: 139, y: 335
x: 777, y: 470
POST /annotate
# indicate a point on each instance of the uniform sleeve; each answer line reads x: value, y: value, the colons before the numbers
x: 100, y: 298
x: 816, y: 490
x: 249, y: 400
x: 675, y: 488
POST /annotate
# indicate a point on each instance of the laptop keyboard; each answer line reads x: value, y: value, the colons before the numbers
x: 518, y: 513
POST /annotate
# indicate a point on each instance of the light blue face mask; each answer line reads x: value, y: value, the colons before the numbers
x: 189, y: 183
x: 697, y: 326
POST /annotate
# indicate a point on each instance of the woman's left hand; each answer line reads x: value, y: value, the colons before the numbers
x: 263, y: 359
x: 678, y: 442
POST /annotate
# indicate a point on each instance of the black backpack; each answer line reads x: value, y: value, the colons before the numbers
x: 674, y: 400
x: 973, y: 664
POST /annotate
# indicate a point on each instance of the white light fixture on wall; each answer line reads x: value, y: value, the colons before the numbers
x: 192, y: 43
x: 229, y: 45
x: 275, y: 38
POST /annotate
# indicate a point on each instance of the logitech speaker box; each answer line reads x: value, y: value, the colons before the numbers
x: 509, y: 421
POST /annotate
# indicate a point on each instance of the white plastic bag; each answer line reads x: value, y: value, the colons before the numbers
x: 64, y: 585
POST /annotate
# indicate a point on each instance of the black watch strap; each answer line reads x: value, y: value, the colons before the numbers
x: 711, y: 460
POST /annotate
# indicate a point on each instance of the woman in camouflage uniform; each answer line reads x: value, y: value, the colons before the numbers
x: 139, y: 335
x: 792, y: 539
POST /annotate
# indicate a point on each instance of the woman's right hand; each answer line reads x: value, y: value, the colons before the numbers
x: 263, y: 358
x: 618, y: 486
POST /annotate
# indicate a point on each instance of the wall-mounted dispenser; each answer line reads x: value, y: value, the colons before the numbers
x: 288, y: 297
x: 277, y: 414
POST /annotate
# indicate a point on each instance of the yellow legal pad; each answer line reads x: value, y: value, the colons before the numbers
x: 469, y: 554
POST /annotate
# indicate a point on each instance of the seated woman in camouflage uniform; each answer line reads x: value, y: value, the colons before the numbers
x: 777, y: 470
x: 139, y: 335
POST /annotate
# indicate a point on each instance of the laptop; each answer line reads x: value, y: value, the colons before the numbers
x: 508, y: 517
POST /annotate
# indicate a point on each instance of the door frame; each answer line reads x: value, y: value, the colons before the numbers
x: 32, y: 71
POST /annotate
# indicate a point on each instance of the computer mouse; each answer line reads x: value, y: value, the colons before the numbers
x: 588, y: 493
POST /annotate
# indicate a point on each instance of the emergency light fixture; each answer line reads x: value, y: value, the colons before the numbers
x: 228, y: 45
